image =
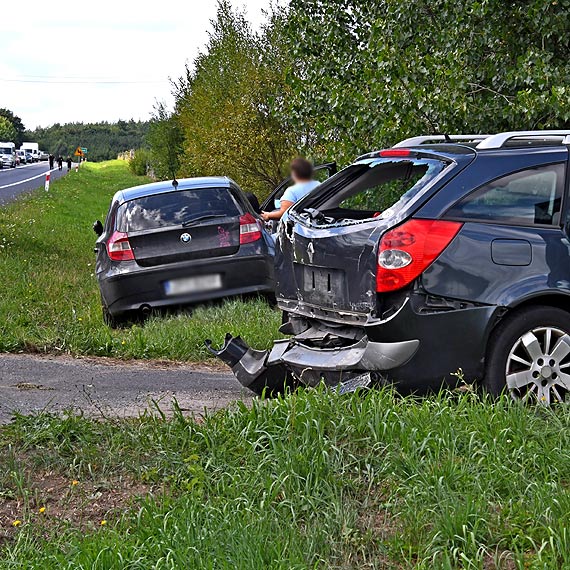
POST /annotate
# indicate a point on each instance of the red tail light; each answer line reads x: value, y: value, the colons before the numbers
x: 249, y: 229
x: 408, y: 250
x: 119, y: 248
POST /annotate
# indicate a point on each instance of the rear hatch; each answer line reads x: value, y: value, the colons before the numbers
x: 327, y: 259
x: 181, y: 226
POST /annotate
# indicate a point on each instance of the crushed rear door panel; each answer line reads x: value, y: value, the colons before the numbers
x: 333, y: 268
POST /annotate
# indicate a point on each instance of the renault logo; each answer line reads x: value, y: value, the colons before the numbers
x: 185, y: 238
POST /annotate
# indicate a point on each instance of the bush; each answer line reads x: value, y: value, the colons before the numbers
x: 140, y: 163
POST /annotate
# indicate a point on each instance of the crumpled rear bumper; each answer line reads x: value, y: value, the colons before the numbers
x: 362, y: 355
x: 290, y: 362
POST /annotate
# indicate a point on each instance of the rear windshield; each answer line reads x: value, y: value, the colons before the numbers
x: 175, y: 209
x: 373, y: 188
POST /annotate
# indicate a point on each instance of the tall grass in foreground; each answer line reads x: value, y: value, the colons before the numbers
x: 49, y: 300
x: 314, y: 480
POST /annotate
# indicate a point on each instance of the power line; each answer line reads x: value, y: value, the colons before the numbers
x: 80, y: 81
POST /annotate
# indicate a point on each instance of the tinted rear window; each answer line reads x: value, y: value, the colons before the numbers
x: 175, y: 209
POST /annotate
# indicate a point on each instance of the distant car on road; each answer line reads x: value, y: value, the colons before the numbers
x: 21, y: 155
x: 172, y: 244
x: 7, y: 155
x: 43, y: 155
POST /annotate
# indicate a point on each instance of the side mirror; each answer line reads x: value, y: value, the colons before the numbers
x: 98, y: 228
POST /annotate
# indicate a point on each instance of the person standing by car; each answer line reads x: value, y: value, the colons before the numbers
x: 302, y: 176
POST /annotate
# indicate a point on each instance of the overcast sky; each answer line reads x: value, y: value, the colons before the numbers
x: 131, y: 47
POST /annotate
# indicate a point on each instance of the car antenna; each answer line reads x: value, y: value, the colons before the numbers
x: 447, y: 137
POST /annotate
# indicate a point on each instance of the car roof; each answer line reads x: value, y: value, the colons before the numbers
x: 505, y: 140
x: 451, y: 151
x: 166, y: 186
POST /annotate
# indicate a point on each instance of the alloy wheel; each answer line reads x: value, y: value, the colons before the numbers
x: 538, y: 366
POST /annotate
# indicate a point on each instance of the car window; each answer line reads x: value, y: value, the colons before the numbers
x: 528, y: 197
x: 375, y: 187
x: 389, y: 184
x: 174, y: 208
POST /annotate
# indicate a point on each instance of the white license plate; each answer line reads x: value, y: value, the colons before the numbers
x: 197, y: 284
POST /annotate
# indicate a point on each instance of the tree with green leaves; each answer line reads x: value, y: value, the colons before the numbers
x: 103, y: 140
x: 225, y: 105
x: 16, y: 122
x: 7, y: 130
x: 367, y: 73
x: 165, y: 138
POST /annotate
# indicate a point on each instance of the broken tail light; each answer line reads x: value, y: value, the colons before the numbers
x: 407, y: 251
x: 119, y: 247
x: 249, y: 229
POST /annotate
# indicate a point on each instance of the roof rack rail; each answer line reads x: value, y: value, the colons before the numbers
x: 423, y: 139
x: 500, y: 139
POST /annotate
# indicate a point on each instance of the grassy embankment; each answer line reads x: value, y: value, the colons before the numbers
x: 49, y: 301
x: 312, y: 481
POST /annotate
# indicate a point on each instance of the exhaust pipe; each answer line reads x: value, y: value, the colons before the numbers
x: 250, y: 368
x: 145, y: 310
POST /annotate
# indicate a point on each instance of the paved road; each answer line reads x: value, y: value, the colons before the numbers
x: 104, y: 387
x: 15, y: 181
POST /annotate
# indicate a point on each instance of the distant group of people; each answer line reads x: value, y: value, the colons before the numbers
x: 59, y: 160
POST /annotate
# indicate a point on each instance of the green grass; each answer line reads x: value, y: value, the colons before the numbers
x: 314, y: 480
x: 49, y: 300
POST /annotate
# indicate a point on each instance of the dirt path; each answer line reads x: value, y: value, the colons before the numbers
x: 30, y: 383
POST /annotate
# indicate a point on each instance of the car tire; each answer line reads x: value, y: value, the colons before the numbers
x: 528, y: 356
x: 112, y: 321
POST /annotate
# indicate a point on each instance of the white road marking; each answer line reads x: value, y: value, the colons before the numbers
x: 27, y: 179
x: 20, y: 166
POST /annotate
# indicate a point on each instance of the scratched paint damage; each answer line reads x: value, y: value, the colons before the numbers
x: 326, y: 263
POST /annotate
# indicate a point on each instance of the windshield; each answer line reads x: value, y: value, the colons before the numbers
x: 5, y: 150
x: 175, y: 209
x: 373, y: 188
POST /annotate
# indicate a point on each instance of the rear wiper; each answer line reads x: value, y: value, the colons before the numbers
x: 201, y: 218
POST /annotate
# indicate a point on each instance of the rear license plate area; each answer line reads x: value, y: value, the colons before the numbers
x: 195, y: 284
x: 321, y: 284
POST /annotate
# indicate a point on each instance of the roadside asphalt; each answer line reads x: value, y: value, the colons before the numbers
x: 101, y: 387
x: 22, y: 179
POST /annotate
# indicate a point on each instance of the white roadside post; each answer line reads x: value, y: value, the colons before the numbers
x: 47, y: 181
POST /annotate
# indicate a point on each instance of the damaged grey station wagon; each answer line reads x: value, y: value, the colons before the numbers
x: 441, y: 254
